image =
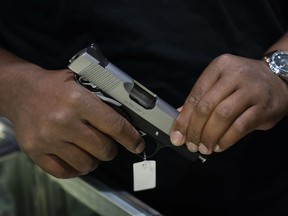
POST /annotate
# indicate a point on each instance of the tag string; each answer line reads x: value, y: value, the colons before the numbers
x: 144, y: 160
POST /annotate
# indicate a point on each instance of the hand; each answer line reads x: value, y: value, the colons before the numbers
x: 66, y: 129
x: 232, y: 97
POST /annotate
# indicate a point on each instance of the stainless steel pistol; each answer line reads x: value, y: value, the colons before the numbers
x: 149, y: 114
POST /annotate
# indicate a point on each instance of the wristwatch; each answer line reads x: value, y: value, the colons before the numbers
x: 278, y: 63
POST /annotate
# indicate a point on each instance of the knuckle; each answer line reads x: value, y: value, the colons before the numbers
x: 29, y: 143
x: 223, y: 59
x: 87, y: 164
x: 58, y: 117
x: 224, y: 112
x: 74, y: 96
x: 204, y: 107
x: 108, y: 152
x: 193, y: 98
x: 119, y: 123
x: 241, y: 127
x: 44, y: 134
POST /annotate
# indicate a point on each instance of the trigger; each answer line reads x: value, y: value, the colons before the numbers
x: 151, y: 146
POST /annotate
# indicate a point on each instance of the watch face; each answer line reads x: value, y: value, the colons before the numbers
x: 280, y: 60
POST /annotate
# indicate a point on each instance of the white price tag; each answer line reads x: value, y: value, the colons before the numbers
x: 144, y: 175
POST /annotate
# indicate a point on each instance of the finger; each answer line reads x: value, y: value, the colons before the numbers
x: 55, y: 166
x: 198, y: 109
x: 93, y: 141
x: 222, y: 117
x: 180, y: 127
x: 204, y: 109
x: 76, y: 157
x: 243, y: 125
x: 80, y: 133
x: 110, y: 122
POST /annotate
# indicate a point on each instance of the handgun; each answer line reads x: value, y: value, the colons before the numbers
x: 148, y: 113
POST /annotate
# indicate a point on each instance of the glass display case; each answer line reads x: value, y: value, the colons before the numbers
x: 28, y: 191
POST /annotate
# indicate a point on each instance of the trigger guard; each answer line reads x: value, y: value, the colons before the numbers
x: 152, y: 146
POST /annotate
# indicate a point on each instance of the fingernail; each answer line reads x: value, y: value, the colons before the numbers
x: 192, y: 147
x: 202, y: 148
x: 84, y: 173
x: 217, y: 149
x: 177, y: 138
x: 180, y: 109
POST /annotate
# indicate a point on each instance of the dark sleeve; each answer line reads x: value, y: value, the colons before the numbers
x: 1, y: 41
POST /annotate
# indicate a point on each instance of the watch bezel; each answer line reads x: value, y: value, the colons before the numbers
x: 272, y: 63
x: 274, y: 66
